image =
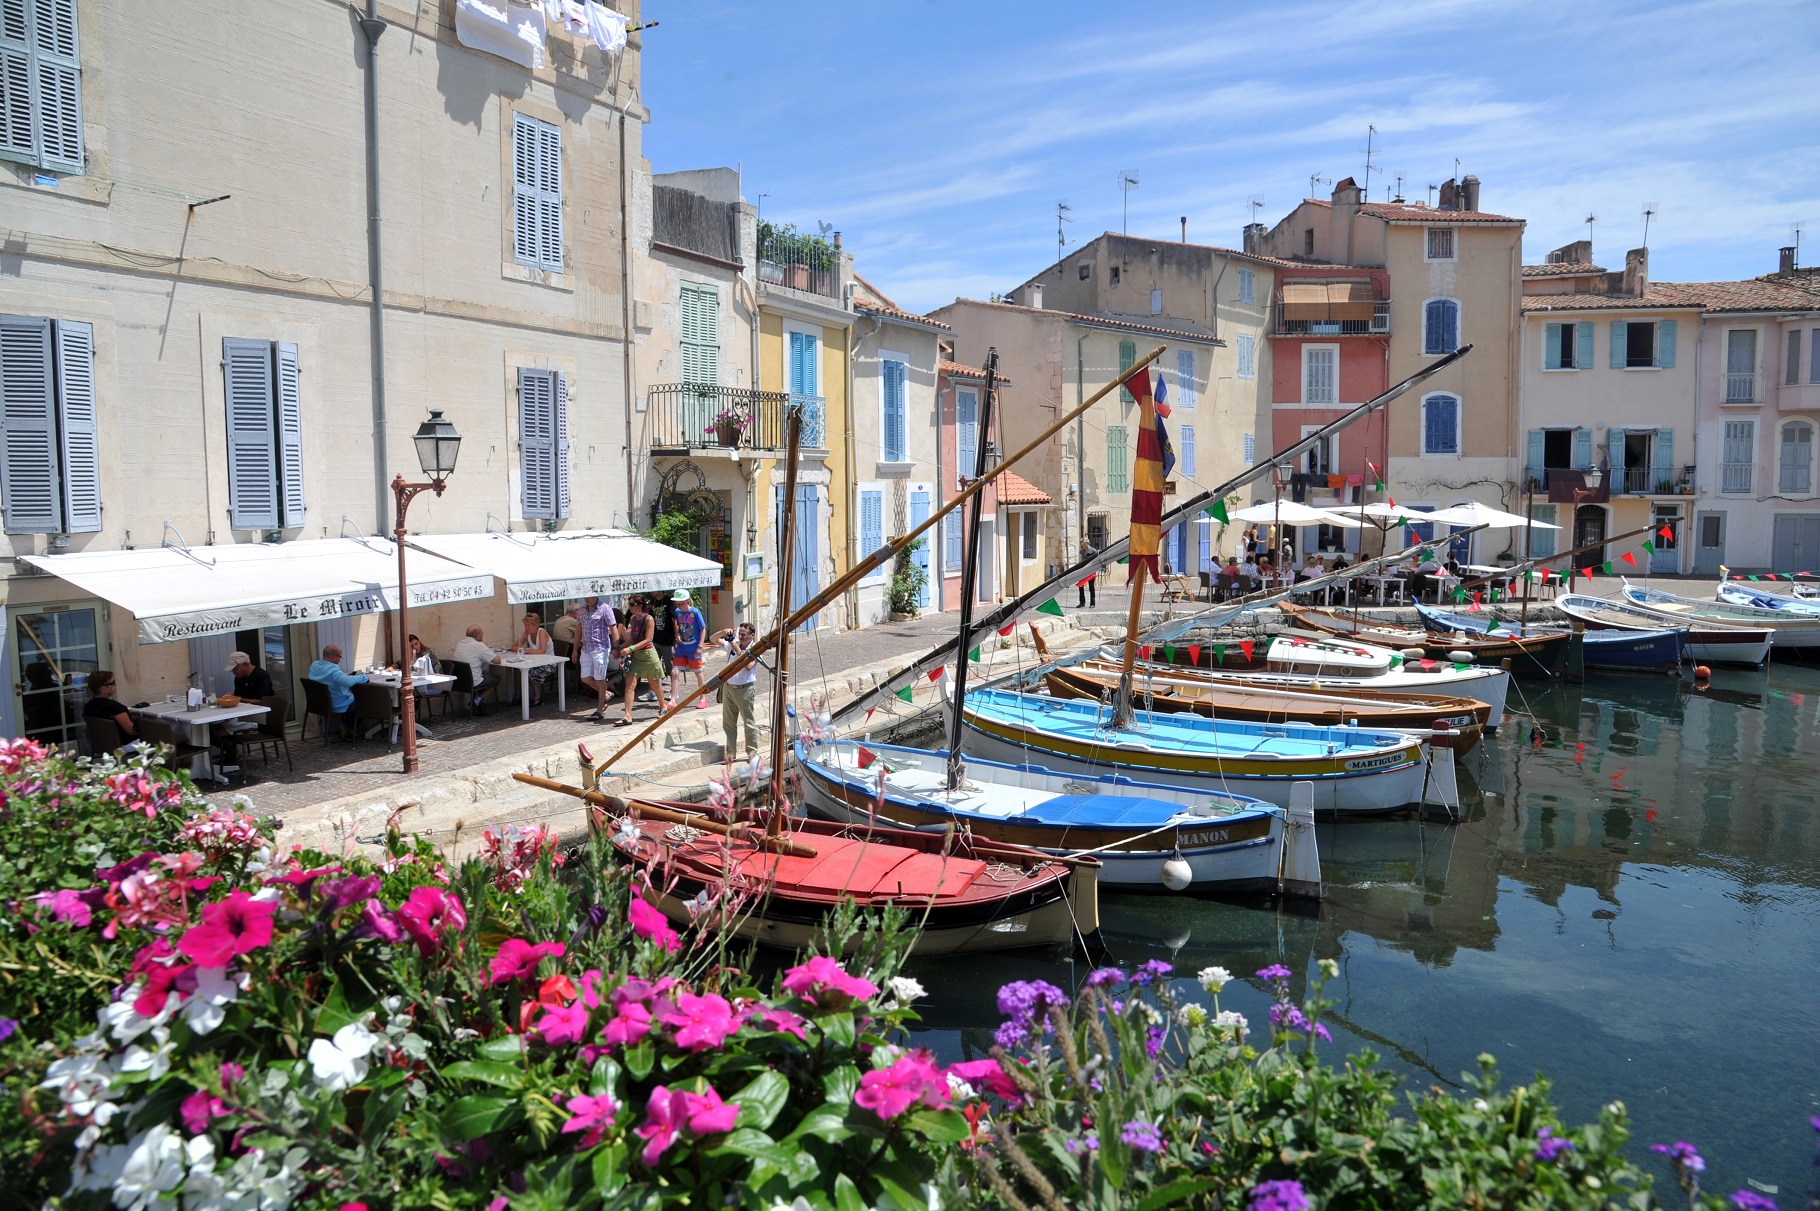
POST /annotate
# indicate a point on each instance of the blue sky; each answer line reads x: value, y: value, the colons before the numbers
x: 938, y: 136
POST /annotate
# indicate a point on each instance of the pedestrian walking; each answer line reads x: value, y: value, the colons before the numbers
x: 597, y: 626
x: 1085, y: 589
x: 739, y: 693
x: 643, y: 664
x: 688, y: 628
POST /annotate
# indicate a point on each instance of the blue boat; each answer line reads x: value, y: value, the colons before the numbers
x: 1655, y: 650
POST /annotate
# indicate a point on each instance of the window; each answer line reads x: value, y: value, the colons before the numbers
x: 1117, y: 477
x: 1711, y: 527
x: 1568, y: 347
x: 1156, y: 302
x: 1320, y: 374
x: 265, y: 433
x: 1739, y: 456
x: 1308, y: 242
x: 966, y: 434
x: 805, y: 364
x: 1127, y: 356
x: 1813, y: 357
x: 700, y: 307
x: 40, y: 84
x: 1248, y: 286
x: 1440, y: 243
x: 536, y: 193
x: 1441, y: 424
x: 1541, y: 542
x: 50, y: 457
x: 1250, y: 449
x: 1086, y: 272
x: 1184, y: 378
x: 951, y: 544
x: 1188, y: 451
x: 892, y: 403
x: 1029, y: 536
x: 543, y: 443
x: 1097, y: 525
x: 1440, y: 326
x: 1643, y: 344
x: 1319, y: 458
x: 1794, y: 357
x: 1797, y: 457
x: 871, y: 526
x: 1741, y: 366
x: 1114, y: 275
x: 1248, y: 355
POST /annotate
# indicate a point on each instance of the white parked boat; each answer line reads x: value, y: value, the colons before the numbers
x: 1706, y: 642
x: 1305, y: 654
x: 1795, y: 631
x: 1764, y: 599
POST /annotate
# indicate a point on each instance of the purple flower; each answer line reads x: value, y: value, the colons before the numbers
x: 1278, y: 1196
x: 1021, y: 1000
x: 8, y: 1028
x: 340, y: 893
x: 1746, y: 1200
x: 1153, y: 1041
x: 1682, y: 1155
x: 1105, y: 977
x: 1548, y: 1147
x: 1142, y: 1136
x: 1153, y: 969
x: 1274, y: 973
x: 1010, y: 1034
x: 1087, y: 1143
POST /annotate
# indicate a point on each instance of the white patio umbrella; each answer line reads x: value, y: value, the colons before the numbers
x: 1290, y: 513
x: 1475, y: 514
x: 1382, y: 513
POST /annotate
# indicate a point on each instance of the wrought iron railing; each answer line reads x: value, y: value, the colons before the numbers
x: 1741, y: 389
x: 688, y: 416
x: 799, y: 263
x: 1736, y: 477
x: 1377, y: 325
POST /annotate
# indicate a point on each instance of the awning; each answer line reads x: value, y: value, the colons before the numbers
x: 576, y: 563
x: 1304, y: 301
x: 1350, y: 300
x: 1324, y: 302
x: 186, y: 592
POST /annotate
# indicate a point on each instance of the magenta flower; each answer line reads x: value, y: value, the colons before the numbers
x: 338, y: 894
x: 1278, y: 1196
x: 701, y: 1022
x: 824, y: 981
x: 1747, y: 1200
x: 428, y: 914
x: 670, y: 1110
x: 990, y: 1075
x: 592, y: 1115
x: 562, y: 1025
x: 888, y: 1092
x: 199, y: 1109
x: 159, y: 982
x: 708, y: 1115
x: 377, y: 922
x: 648, y: 922
x: 235, y: 926
x: 67, y: 905
x: 784, y: 1022
x: 518, y: 959
x: 628, y: 1026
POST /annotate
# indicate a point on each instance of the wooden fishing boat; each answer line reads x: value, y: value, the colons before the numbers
x: 1656, y: 649
x: 1756, y: 595
x: 1353, y: 770
x: 1301, y: 654
x: 1792, y: 631
x: 1541, y: 656
x: 1703, y: 642
x: 1147, y: 836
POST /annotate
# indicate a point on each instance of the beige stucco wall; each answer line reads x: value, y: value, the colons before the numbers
x: 917, y: 346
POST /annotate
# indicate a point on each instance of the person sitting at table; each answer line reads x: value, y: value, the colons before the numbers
x: 1248, y: 572
x: 1227, y: 582
x: 475, y: 653
x: 565, y: 628
x: 251, y: 684
x: 533, y: 640
x: 423, y: 667
x: 341, y: 683
x: 1267, y: 569
x: 1313, y: 566
x: 642, y: 662
x: 102, y: 704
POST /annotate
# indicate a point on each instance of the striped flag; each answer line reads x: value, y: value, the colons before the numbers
x: 1154, y: 462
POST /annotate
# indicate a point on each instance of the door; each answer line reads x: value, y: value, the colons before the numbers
x: 985, y: 566
x: 1589, y: 530
x: 805, y: 576
x: 54, y: 649
x: 1709, y: 543
x: 1796, y: 544
x: 919, y: 513
x: 1666, y: 561
x: 1178, y: 548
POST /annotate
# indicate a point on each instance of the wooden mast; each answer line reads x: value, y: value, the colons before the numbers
x: 970, y: 561
x: 780, y: 691
x: 1121, y: 704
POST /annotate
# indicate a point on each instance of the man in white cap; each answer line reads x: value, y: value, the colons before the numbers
x: 691, y: 630
x: 251, y: 684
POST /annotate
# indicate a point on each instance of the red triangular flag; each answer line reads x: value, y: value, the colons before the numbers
x: 1770, y: 575
x: 866, y: 756
x: 1587, y: 572
x: 1194, y: 653
x: 1666, y: 532
x: 1245, y: 647
x: 1544, y: 575
x: 1007, y: 628
x: 935, y: 674
x: 1081, y: 584
x: 1629, y: 558
x: 1144, y: 652
x: 869, y: 713
x: 1427, y: 664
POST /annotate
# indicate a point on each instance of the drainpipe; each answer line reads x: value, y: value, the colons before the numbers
x: 372, y: 27
x: 853, y: 339
x: 937, y: 557
x: 1213, y: 299
x: 625, y: 292
x: 1080, y: 450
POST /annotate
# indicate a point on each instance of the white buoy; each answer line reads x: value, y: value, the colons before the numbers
x: 1459, y: 656
x: 1177, y: 874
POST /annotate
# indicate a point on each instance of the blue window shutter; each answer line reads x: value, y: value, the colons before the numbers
x: 290, y: 435
x: 1431, y: 426
x: 802, y: 364
x: 1451, y: 411
x: 536, y: 443
x: 559, y: 463
x: 1541, y: 542
x: 29, y: 473
x: 1618, y: 344
x: 1251, y: 449
x: 18, y: 126
x: 871, y: 524
x: 536, y: 193
x: 1248, y: 286
x: 1441, y: 326
x: 891, y: 383
x: 951, y: 532
x: 1184, y: 378
x: 1536, y: 456
x: 1582, y: 449
x: 1551, y: 355
x: 1441, y: 419
x: 1248, y: 355
x: 1665, y: 457
x: 1665, y: 344
x: 966, y: 434
x: 59, y: 85
x: 80, y: 427
x: 1187, y: 449
x: 1583, y: 351
x: 252, y: 434
x: 1127, y: 356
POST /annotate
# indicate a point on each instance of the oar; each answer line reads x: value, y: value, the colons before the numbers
x: 651, y: 811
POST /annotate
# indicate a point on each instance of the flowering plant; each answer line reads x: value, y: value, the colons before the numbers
x: 728, y: 419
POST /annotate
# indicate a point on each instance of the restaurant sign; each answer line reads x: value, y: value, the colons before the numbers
x: 373, y: 599
x: 611, y: 585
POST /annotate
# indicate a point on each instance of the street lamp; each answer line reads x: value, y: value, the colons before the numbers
x: 437, y: 445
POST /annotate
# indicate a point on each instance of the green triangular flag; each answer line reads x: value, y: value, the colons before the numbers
x: 1169, y: 654
x: 1606, y: 567
x: 1750, y: 578
x: 1218, y: 512
x: 1649, y: 546
x: 1052, y: 606
x: 1495, y: 624
x: 1380, y: 484
x: 1395, y: 660
x: 1219, y: 653
x: 1124, y: 559
x: 1461, y: 668
x: 973, y: 654
x: 1402, y: 521
x: 904, y: 695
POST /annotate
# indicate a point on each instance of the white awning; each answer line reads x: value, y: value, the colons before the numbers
x: 182, y: 593
x: 575, y: 563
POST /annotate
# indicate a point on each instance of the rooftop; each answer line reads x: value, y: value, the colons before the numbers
x: 1754, y: 294
x: 1561, y: 269
x: 1418, y: 212
x: 1014, y: 489
x: 1192, y: 333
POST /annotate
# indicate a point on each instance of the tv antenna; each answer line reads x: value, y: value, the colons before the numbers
x: 1371, y: 134
x: 1795, y: 230
x: 1589, y: 221
x: 1256, y: 202
x: 1315, y: 180
x: 1128, y: 181
x: 1062, y: 210
x: 1649, y: 212
x: 1399, y: 194
x: 1431, y: 195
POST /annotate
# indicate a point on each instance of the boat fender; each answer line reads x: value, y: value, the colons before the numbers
x: 1460, y: 656
x: 1177, y: 874
x: 1702, y: 673
x: 1414, y: 653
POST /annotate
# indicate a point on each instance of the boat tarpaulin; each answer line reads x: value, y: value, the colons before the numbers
x: 577, y: 563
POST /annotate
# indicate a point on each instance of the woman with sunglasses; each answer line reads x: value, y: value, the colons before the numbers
x: 102, y: 704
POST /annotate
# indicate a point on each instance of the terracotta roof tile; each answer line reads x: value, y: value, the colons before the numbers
x: 1416, y: 212
x: 960, y: 370
x: 1654, y: 297
x: 892, y: 311
x: 875, y: 292
x: 1755, y: 294
x: 1105, y: 320
x: 1556, y: 269
x: 1014, y: 489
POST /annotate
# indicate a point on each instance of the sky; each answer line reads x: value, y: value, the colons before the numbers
x: 939, y: 136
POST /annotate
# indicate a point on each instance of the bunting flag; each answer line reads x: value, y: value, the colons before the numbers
x: 1461, y: 668
x: 870, y: 711
x: 1395, y: 660
x: 1007, y: 628
x: 1492, y: 626
x: 1377, y: 477
x: 935, y: 674
x: 973, y: 654
x: 1217, y: 511
x: 1629, y: 559
x: 1587, y: 572
x: 1154, y: 462
x: 1769, y: 575
x: 1083, y: 583
x: 1219, y: 653
x: 866, y: 757
x: 1194, y: 653
x: 1606, y: 568
x: 1751, y: 578
x: 1169, y: 654
x: 905, y: 695
x: 1427, y: 663
x: 1649, y: 546
x: 1052, y: 606
x: 1667, y: 533
x: 1245, y: 647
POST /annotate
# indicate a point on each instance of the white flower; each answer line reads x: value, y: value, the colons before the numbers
x: 1191, y: 1015
x: 207, y: 1006
x: 154, y: 1167
x: 700, y: 903
x: 1214, y: 978
x: 1228, y: 1021
x: 341, y: 1063
x: 267, y: 895
x: 154, y: 1061
x: 904, y: 989
x: 1480, y: 1104
x: 960, y: 1090
x: 1330, y: 969
x: 627, y: 832
x: 122, y: 1021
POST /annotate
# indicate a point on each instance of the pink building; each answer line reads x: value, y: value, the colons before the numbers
x: 958, y: 392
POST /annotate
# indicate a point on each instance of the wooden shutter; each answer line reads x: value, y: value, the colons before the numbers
x: 1541, y: 542
x: 1665, y: 457
x: 536, y: 193
x: 1029, y: 536
x: 1665, y: 344
x: 1188, y: 450
x: 1441, y: 326
x: 1441, y: 419
x: 1620, y: 342
x: 891, y: 385
x: 290, y: 435
x: 1184, y: 378
x: 59, y: 85
x: 252, y: 436
x: 1551, y: 353
x: 537, y: 443
x: 700, y: 335
x: 17, y: 137
x: 1583, y: 352
x: 1127, y: 356
x: 871, y: 524
x: 29, y: 479
x: 1536, y: 455
x: 81, y: 445
x: 966, y: 434
x: 1614, y: 459
x: 951, y: 533
x: 1115, y: 458
x: 1248, y: 287
x: 1582, y: 449
x: 1248, y: 355
x: 559, y: 461
x: 802, y: 364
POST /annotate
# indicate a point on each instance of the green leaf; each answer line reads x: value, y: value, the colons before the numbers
x: 336, y: 1012
x: 940, y: 1126
x: 846, y: 1194
x: 488, y: 1072
x: 381, y: 1114
x: 639, y: 1060
x: 604, y: 1077
x: 477, y: 1114
x: 509, y: 1047
x: 610, y: 1168
x: 899, y: 1195
x: 756, y: 1144
x: 1112, y: 1161
x: 1177, y: 1193
x: 837, y: 1028
x: 760, y: 1102
x: 839, y: 1086
x: 828, y: 1123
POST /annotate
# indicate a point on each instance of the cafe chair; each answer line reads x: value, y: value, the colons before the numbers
x: 270, y: 736
x: 463, y: 673
x: 154, y: 730
x: 103, y: 736
x: 373, y: 704
x: 316, y: 701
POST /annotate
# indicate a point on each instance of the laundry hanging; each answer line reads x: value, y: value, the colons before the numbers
x: 607, y: 27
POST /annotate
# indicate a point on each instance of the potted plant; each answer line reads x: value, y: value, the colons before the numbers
x: 725, y: 427
x: 907, y: 581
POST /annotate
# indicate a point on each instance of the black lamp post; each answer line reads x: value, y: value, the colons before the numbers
x: 437, y: 446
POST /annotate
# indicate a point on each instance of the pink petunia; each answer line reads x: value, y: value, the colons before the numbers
x: 199, y: 1109
x: 235, y: 926
x: 631, y: 1024
x: 592, y: 1115
x: 648, y: 922
x: 67, y: 905
x: 784, y: 1022
x: 429, y: 913
x: 518, y: 959
x: 561, y: 1026
x: 888, y: 1092
x: 160, y: 980
x: 378, y: 922
x: 708, y: 1115
x: 990, y: 1075
x: 701, y: 1022
x: 670, y: 1110
x: 824, y: 981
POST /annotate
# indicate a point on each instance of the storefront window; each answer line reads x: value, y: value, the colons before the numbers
x: 55, y: 649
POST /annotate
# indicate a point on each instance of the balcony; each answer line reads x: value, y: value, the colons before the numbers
x: 1329, y: 309
x: 1653, y: 481
x: 1743, y: 389
x: 798, y: 262
x: 1737, y: 478
x: 686, y: 416
x: 1568, y: 485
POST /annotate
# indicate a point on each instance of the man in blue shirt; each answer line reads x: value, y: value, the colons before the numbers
x: 691, y: 630
x: 341, y: 685
x: 595, y: 647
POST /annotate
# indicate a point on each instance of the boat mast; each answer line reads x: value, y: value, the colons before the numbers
x: 1121, y: 702
x: 1529, y: 538
x: 970, y: 562
x: 780, y: 692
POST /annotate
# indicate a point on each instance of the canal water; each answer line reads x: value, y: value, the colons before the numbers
x: 1630, y: 907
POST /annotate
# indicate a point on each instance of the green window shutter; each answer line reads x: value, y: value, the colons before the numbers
x: 1665, y: 458
x: 80, y: 429
x: 1541, y: 542
x: 1583, y: 351
x: 252, y: 434
x: 290, y: 435
x: 1582, y: 449
x: 1127, y: 356
x: 1618, y: 345
x: 1536, y: 456
x: 559, y: 463
x: 1115, y: 459
x: 537, y: 443
x: 1551, y: 354
x: 1665, y: 344
x: 29, y: 472
x: 700, y: 307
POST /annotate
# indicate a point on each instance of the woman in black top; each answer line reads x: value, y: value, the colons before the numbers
x: 103, y: 705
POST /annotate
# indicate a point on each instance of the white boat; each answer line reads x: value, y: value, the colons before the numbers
x: 1794, y: 631
x: 1765, y: 599
x: 1489, y: 685
x: 1705, y: 643
x: 1305, y: 654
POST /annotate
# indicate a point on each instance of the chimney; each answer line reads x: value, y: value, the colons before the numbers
x: 1033, y: 295
x: 1469, y: 192
x: 1786, y: 259
x: 1636, y: 272
x: 1253, y: 242
x: 1346, y: 198
x: 1450, y: 195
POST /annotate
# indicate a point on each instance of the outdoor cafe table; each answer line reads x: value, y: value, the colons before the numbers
x: 198, y: 722
x: 392, y: 679
x: 1386, y: 586
x: 1500, y: 578
x: 525, y: 664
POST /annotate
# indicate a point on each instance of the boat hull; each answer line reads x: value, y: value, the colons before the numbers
x: 1490, y: 686
x: 1657, y: 649
x: 1792, y: 631
x: 1760, y: 598
x: 1708, y: 643
x: 1545, y: 656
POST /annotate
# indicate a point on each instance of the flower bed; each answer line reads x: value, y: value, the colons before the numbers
x: 199, y: 1017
